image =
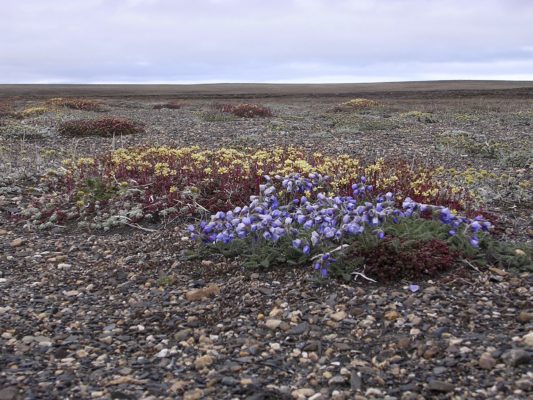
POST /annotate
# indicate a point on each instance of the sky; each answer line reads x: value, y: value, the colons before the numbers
x: 279, y: 41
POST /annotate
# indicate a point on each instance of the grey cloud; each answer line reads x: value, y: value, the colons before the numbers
x: 254, y: 40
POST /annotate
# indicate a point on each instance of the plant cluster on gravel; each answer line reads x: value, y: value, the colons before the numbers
x: 31, y: 112
x: 6, y: 110
x: 75, y: 104
x: 106, y: 127
x: 362, y: 234
x: 245, y: 110
x: 356, y: 104
x: 153, y: 183
x: 473, y: 144
x: 425, y: 117
x: 20, y: 130
x: 171, y: 105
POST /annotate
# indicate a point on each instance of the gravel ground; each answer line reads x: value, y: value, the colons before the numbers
x: 125, y: 315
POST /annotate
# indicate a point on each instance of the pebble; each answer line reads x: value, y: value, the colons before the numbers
x: 8, y: 393
x: 528, y: 339
x: 203, y: 361
x: 440, y: 386
x: 202, y: 293
x: 273, y: 323
x: 16, y: 242
x: 391, y: 315
x: 486, y: 361
x: 302, y: 393
x: 516, y: 357
x: 525, y: 316
x: 338, y: 316
x: 163, y: 353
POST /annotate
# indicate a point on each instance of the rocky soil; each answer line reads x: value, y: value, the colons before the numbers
x: 126, y: 315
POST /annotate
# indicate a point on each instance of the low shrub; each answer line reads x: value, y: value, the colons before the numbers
x: 163, y: 182
x: 473, y: 144
x: 106, y: 127
x: 356, y: 104
x: 170, y: 105
x: 32, y: 112
x: 6, y: 110
x: 17, y: 130
x: 76, y: 104
x: 419, y: 116
x: 245, y: 110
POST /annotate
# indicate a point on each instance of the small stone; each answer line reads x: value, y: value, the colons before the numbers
x: 404, y: 343
x: 207, y: 263
x: 303, y: 392
x: 273, y: 323
x: 107, y: 339
x: 195, y: 394
x: 246, y: 382
x: 199, y: 294
x: 525, y: 316
x: 374, y: 392
x: 524, y: 384
x: 498, y: 271
x: 163, y: 353
x: 486, y: 361
x: 8, y: 393
x: 392, y: 315
x: 299, y: 329
x: 71, y: 293
x: 203, y: 361
x: 516, y: 357
x: 275, y: 346
x: 337, y: 380
x: 16, y: 242
x: 440, y: 386
x: 520, y: 252
x: 528, y: 339
x: 64, y: 266
x: 338, y: 316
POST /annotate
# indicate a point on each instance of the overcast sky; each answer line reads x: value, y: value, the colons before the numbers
x: 193, y: 41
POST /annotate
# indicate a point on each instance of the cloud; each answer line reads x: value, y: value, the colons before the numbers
x: 259, y: 41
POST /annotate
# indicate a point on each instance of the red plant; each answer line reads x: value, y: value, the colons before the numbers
x: 99, y: 127
x: 395, y: 259
x: 244, y: 110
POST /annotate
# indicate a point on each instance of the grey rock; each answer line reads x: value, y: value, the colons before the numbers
x: 440, y: 386
x: 516, y: 357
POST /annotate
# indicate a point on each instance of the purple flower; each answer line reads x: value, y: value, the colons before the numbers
x: 414, y: 288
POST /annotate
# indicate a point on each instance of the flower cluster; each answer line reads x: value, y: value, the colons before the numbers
x: 283, y: 211
x: 166, y: 182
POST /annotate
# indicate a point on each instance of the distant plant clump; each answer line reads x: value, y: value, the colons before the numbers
x: 419, y: 116
x: 356, y: 104
x: 106, y: 127
x: 32, y: 112
x: 245, y: 110
x: 6, y: 109
x: 172, y: 105
x: 76, y: 104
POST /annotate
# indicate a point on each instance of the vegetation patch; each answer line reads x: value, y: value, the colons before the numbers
x: 106, y: 127
x: 172, y: 105
x: 356, y: 104
x: 424, y: 117
x: 363, y: 234
x: 76, y: 104
x: 31, y: 112
x: 244, y: 110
